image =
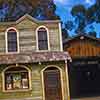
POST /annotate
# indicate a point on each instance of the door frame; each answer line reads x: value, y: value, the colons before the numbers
x: 61, y: 80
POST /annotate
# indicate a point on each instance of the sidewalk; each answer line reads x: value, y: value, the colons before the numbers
x: 88, y: 98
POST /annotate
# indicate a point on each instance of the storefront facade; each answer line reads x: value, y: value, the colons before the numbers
x: 33, y: 65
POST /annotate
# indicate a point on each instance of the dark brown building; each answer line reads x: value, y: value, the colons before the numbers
x: 84, y: 70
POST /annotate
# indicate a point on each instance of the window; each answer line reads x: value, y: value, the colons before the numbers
x: 16, y: 78
x: 52, y: 84
x: 12, y: 41
x: 42, y: 39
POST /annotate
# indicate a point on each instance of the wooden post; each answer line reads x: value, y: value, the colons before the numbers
x: 67, y: 79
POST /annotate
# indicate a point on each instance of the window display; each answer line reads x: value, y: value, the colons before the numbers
x: 16, y: 79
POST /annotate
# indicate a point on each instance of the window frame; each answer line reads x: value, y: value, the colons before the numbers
x: 48, y: 43
x: 16, y: 90
x: 6, y: 39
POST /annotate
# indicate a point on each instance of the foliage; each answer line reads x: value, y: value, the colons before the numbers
x: 83, y: 17
x: 41, y: 9
x: 69, y: 25
x: 65, y: 34
x: 92, y: 34
x: 95, y: 12
x: 79, y: 12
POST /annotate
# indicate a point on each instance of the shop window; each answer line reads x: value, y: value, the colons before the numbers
x: 16, y: 78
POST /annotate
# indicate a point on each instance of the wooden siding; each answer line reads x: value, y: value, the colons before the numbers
x: 36, y: 93
x: 2, y: 42
x: 83, y: 48
x: 27, y: 35
x: 27, y: 41
x: 54, y: 39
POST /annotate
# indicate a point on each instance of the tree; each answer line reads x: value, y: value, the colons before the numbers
x: 92, y: 34
x: 94, y: 12
x: 65, y: 34
x: 79, y: 12
x: 84, y: 17
x: 69, y: 25
x: 41, y: 9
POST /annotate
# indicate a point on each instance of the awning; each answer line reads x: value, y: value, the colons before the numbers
x: 33, y: 57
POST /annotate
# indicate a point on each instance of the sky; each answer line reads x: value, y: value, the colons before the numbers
x: 63, y: 10
x: 64, y: 7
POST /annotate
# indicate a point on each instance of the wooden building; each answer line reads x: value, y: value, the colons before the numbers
x: 33, y: 65
x: 84, y: 70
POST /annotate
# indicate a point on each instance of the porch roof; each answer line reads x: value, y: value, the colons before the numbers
x: 33, y: 57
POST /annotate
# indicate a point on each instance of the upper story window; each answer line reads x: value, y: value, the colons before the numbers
x: 42, y: 39
x: 12, y: 43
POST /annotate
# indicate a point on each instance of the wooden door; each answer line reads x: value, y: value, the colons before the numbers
x: 52, y: 84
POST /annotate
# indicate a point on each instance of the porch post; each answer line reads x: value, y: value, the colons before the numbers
x: 67, y: 79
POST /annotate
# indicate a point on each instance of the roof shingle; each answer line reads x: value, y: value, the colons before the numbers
x: 33, y: 57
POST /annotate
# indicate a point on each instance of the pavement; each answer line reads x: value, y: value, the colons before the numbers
x: 88, y: 98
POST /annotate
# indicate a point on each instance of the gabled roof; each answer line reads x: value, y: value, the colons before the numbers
x: 30, y: 18
x: 81, y: 36
x: 34, y: 19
